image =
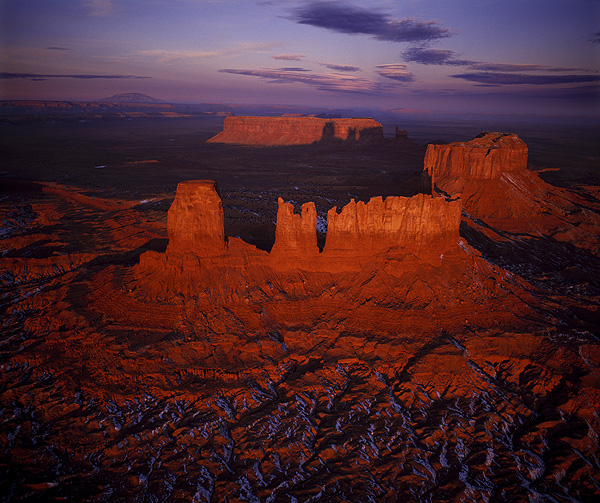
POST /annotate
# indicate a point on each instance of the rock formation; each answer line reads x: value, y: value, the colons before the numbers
x: 490, y: 175
x: 195, y: 222
x: 297, y: 131
x: 295, y: 234
x: 361, y: 234
x: 487, y: 156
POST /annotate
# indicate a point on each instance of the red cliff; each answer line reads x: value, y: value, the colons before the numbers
x: 295, y: 234
x: 422, y: 224
x: 195, y: 221
x: 297, y: 130
x: 485, y: 157
x: 362, y: 235
x: 490, y: 175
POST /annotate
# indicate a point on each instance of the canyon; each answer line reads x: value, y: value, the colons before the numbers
x: 435, y: 346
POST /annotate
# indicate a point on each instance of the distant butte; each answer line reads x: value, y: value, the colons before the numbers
x: 298, y: 131
x: 490, y: 175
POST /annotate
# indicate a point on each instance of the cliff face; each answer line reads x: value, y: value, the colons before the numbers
x: 195, y: 221
x: 485, y: 157
x: 490, y: 175
x: 421, y: 224
x: 295, y: 235
x: 297, y: 130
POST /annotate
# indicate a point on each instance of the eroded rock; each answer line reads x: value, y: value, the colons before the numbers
x: 297, y: 131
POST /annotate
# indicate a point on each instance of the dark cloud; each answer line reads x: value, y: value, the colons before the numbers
x: 58, y: 48
x: 294, y: 69
x: 289, y: 57
x: 322, y: 81
x: 498, y: 78
x: 347, y: 18
x: 595, y: 38
x: 341, y: 68
x: 517, y: 67
x: 37, y: 76
x: 395, y: 71
x: 426, y: 56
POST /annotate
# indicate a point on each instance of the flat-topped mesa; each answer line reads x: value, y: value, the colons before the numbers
x: 422, y: 224
x: 485, y: 157
x: 295, y: 235
x: 271, y: 131
x: 195, y: 222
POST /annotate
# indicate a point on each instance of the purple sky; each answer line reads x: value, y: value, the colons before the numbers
x: 512, y: 56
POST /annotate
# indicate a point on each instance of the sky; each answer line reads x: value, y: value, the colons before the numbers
x: 402, y: 56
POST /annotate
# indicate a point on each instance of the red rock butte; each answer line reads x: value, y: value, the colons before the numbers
x: 486, y: 156
x: 271, y: 131
x: 362, y: 234
x: 490, y: 175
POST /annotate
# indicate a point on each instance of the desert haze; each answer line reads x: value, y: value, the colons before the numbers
x: 276, y: 309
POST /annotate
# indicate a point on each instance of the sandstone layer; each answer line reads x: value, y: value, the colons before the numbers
x: 422, y: 226
x: 298, y: 131
x: 490, y: 175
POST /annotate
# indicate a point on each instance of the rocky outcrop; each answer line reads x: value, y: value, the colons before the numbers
x: 195, y: 221
x: 490, y: 175
x: 422, y: 224
x: 485, y: 157
x: 362, y: 234
x: 298, y: 131
x: 295, y: 234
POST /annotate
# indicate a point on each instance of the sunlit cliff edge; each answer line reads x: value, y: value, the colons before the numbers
x: 297, y: 131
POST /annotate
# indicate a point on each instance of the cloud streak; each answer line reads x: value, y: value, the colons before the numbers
x: 343, y: 17
x: 448, y: 57
x: 289, y: 57
x: 341, y: 68
x: 499, y: 78
x: 332, y: 82
x: 42, y: 76
x: 395, y: 71
x: 166, y: 56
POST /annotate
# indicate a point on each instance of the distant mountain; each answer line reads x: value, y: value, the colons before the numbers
x: 130, y: 98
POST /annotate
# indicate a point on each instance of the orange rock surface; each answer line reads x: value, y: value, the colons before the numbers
x: 485, y: 157
x: 490, y: 175
x: 297, y: 130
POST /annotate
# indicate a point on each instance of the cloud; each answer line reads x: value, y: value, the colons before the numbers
x: 333, y: 82
x: 40, y: 76
x: 289, y: 57
x: 293, y: 69
x: 341, y: 68
x: 520, y: 67
x: 166, y: 56
x: 426, y: 56
x: 100, y: 7
x: 347, y: 18
x: 499, y: 78
x: 595, y: 38
x: 57, y: 48
x: 395, y: 71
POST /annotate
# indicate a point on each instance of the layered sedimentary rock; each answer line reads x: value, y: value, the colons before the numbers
x: 195, y: 222
x: 487, y: 156
x: 490, y: 175
x: 296, y: 234
x: 297, y: 130
x: 362, y: 233
x: 422, y: 224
